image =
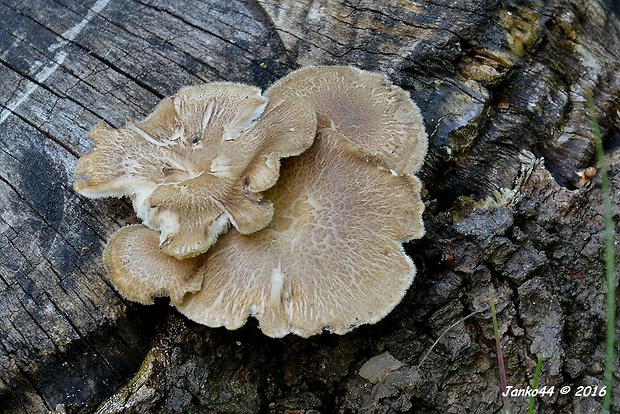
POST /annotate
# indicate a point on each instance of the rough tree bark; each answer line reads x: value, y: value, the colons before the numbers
x: 501, y: 84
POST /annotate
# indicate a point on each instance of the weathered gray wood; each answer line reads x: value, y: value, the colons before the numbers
x: 501, y: 85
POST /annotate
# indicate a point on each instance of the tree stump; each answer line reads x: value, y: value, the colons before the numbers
x: 502, y: 88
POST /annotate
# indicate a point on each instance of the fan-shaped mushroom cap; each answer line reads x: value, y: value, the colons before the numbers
x: 140, y: 271
x: 198, y: 162
x: 332, y: 256
x: 363, y: 106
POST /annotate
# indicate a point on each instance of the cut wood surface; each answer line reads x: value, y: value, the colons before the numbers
x: 502, y: 87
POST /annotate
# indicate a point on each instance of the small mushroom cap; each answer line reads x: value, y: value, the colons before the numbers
x: 177, y: 141
x: 363, y: 106
x: 332, y: 256
x: 199, y: 162
x: 140, y: 271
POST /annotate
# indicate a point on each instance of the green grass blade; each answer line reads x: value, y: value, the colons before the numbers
x: 609, y: 259
x: 535, y: 383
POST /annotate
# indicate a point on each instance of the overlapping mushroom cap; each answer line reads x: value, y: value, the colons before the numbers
x: 330, y: 257
x: 198, y: 162
x: 363, y: 106
x: 140, y: 271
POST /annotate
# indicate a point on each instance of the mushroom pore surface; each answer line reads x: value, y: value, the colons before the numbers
x: 332, y: 256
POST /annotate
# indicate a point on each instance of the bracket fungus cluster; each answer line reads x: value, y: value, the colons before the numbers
x: 290, y: 206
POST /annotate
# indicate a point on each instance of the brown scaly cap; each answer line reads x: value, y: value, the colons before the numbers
x: 363, y: 106
x: 140, y: 271
x: 199, y: 162
x: 332, y: 256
